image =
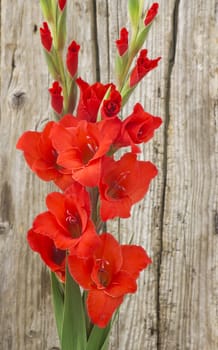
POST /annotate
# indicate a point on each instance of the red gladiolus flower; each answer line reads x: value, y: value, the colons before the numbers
x: 122, y: 43
x: 91, y: 97
x: 62, y: 4
x: 72, y: 58
x: 143, y: 66
x: 108, y: 275
x: 139, y: 127
x: 46, y: 37
x: 151, y: 14
x: 53, y: 257
x: 67, y: 221
x: 123, y: 183
x: 111, y: 106
x: 41, y: 156
x: 84, y: 147
x: 56, y: 98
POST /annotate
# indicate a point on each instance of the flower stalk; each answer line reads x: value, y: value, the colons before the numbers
x: 91, y: 272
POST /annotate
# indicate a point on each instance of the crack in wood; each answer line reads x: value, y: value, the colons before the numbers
x: 108, y: 40
x: 172, y: 55
x: 13, y: 66
x: 95, y: 37
x: 216, y: 223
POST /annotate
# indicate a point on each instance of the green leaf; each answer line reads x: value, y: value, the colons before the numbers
x: 58, y: 301
x: 74, y: 329
x: 98, y: 339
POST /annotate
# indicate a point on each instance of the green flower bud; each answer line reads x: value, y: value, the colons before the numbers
x: 61, y: 29
x: 46, y: 9
x: 134, y: 12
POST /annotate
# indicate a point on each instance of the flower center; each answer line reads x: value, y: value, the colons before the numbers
x: 55, y: 155
x: 74, y: 224
x: 103, y: 272
x: 111, y: 108
x: 58, y: 255
x: 117, y: 187
x: 89, y: 150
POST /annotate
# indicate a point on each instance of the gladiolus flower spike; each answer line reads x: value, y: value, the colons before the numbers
x: 78, y: 153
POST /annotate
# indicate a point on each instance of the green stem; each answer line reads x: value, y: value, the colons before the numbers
x: 63, y: 78
x: 59, y: 59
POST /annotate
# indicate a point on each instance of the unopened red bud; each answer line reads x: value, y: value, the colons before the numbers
x: 56, y: 97
x: 72, y: 58
x: 46, y: 37
x: 143, y: 66
x: 122, y: 42
x: 62, y: 4
x: 151, y: 14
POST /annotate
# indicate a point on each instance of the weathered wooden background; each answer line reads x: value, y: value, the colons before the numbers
x: 176, y: 307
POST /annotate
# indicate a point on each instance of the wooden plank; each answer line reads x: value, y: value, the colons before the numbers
x: 137, y: 325
x: 189, y: 263
x: 26, y: 313
x: 176, y: 304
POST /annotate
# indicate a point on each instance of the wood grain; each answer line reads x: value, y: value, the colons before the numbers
x: 176, y: 306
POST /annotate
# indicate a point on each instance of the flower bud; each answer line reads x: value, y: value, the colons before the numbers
x: 56, y: 98
x: 46, y: 37
x: 62, y: 4
x: 151, y: 14
x: 122, y: 42
x: 143, y: 66
x: 72, y: 58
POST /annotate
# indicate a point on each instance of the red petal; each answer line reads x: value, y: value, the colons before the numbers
x: 88, y: 175
x: 28, y: 143
x: 135, y: 259
x: 55, y: 202
x: 45, y: 171
x: 70, y: 159
x: 110, y: 209
x: 63, y: 181
x: 145, y: 172
x: 122, y: 284
x: 46, y: 224
x: 89, y: 241
x: 53, y: 257
x: 61, y: 137
x: 110, y: 250
x: 81, y: 269
x: 101, y: 307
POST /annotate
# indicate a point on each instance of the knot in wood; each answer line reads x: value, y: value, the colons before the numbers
x: 18, y: 99
x: 4, y: 227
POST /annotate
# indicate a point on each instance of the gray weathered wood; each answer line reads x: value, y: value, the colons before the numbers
x: 176, y: 306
